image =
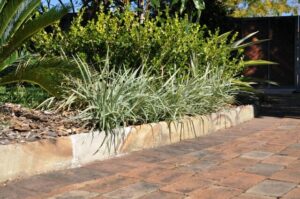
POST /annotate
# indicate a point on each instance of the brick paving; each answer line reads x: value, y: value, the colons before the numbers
x: 259, y: 159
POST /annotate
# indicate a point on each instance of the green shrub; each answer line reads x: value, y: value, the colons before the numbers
x: 165, y: 44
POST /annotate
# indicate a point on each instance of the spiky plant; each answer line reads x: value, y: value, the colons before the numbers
x: 18, y: 23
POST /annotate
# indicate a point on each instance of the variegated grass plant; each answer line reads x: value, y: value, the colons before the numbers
x: 109, y: 98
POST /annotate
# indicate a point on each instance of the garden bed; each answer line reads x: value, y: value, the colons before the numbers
x: 74, y: 148
x: 19, y: 125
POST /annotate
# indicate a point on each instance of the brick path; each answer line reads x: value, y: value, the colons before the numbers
x: 259, y: 159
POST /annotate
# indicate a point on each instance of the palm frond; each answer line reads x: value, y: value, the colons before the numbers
x: 8, y: 12
x: 2, y: 4
x: 43, y: 72
x: 9, y: 61
x: 29, y: 29
x: 24, y: 13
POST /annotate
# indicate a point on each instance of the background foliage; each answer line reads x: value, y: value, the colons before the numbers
x: 236, y: 8
x: 164, y: 45
x: 259, y: 8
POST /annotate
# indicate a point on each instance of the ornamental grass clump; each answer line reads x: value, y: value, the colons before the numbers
x: 110, y: 98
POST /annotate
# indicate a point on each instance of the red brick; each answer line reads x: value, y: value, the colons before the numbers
x: 289, y: 175
x: 99, y: 197
x: 179, y: 160
x: 280, y: 160
x: 144, y: 171
x: 186, y: 185
x: 88, y: 185
x: 293, y: 194
x: 257, y: 155
x: 239, y: 163
x: 75, y: 194
x: 162, y: 194
x: 15, y: 192
x: 168, y: 176
x: 241, y: 180
x: 136, y: 190
x: 250, y: 196
x: 290, y: 152
x: 273, y: 148
x: 217, y: 173
x: 294, y: 165
x: 109, y: 184
x: 271, y: 188
x: 47, y: 182
x: 214, y: 192
x: 111, y: 166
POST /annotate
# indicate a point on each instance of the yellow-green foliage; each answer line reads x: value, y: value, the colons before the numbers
x: 165, y: 44
x: 259, y: 8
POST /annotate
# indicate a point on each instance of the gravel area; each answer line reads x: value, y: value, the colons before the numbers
x: 19, y: 125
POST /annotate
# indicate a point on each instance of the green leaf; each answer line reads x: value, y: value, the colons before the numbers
x: 259, y: 80
x: 48, y: 73
x: 155, y: 3
x: 250, y: 44
x: 258, y: 63
x: 224, y: 36
x: 197, y: 4
x: 29, y: 29
x: 2, y: 4
x: 182, y: 7
x: 239, y: 42
x: 7, y: 13
x: 244, y: 85
x: 24, y: 15
x: 173, y: 2
x: 9, y: 61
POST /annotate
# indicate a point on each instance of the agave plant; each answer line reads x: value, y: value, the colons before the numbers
x: 18, y: 22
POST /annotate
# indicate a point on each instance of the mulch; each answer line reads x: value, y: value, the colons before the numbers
x: 19, y: 125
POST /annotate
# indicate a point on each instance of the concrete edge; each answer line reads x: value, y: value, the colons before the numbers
x: 22, y: 160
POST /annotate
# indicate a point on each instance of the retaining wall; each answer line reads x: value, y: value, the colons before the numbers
x: 21, y: 160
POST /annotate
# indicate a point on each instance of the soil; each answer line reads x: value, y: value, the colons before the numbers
x: 19, y: 125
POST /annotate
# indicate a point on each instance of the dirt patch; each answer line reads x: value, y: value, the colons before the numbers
x: 18, y: 125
